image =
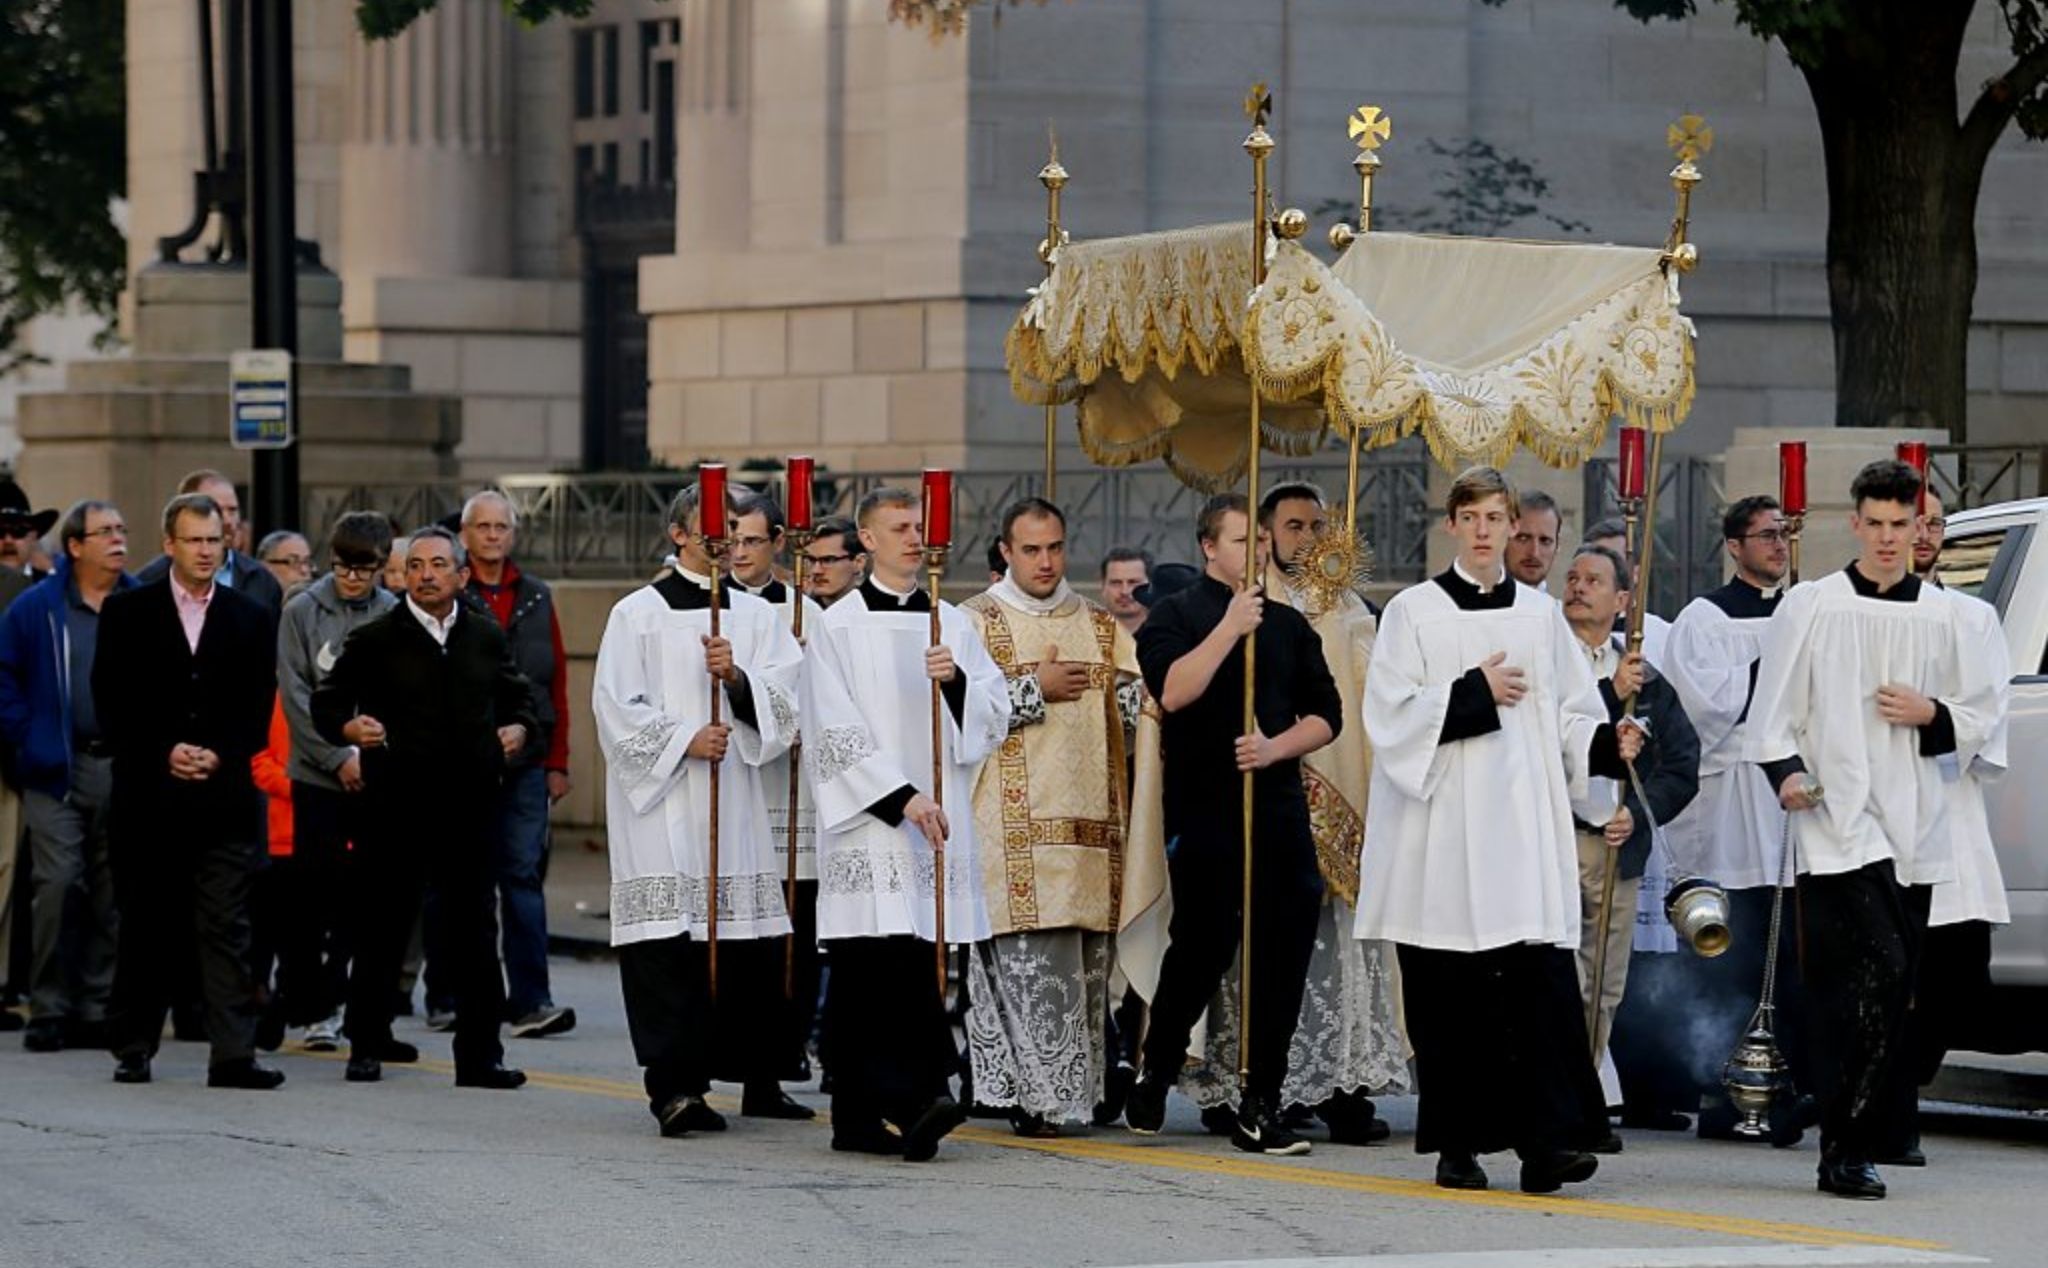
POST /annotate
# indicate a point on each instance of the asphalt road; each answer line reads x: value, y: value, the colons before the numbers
x: 569, y: 1171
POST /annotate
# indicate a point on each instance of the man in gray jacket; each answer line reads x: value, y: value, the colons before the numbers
x: 326, y: 778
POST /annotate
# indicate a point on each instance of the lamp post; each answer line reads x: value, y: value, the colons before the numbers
x: 273, y: 270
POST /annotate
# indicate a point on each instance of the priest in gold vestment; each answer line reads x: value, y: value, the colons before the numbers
x: 1050, y: 810
x: 1347, y: 1044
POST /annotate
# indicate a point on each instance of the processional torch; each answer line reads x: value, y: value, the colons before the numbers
x: 711, y: 509
x: 938, y: 540
x: 800, y: 474
x: 1756, y: 1073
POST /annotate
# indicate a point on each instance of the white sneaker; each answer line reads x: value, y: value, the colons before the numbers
x: 324, y: 1036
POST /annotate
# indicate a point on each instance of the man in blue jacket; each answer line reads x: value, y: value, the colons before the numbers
x: 50, y: 722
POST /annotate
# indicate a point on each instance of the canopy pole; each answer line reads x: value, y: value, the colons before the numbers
x: 1054, y: 177
x: 1259, y: 144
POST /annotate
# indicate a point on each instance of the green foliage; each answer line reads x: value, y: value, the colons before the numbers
x: 382, y: 19
x: 63, y: 160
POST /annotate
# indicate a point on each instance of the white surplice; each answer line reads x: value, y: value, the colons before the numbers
x: 651, y: 694
x: 1827, y: 651
x: 775, y: 774
x: 1978, y: 890
x: 1733, y: 833
x: 1469, y: 845
x: 870, y: 734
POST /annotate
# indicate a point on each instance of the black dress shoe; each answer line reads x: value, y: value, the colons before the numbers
x: 494, y: 1077
x: 363, y: 1069
x: 1848, y: 1176
x: 1608, y: 1144
x: 1115, y: 1094
x: 1352, y: 1120
x: 872, y: 1139
x: 771, y: 1101
x: 681, y: 1115
x: 244, y: 1075
x: 1219, y: 1120
x: 132, y: 1068
x: 1033, y: 1126
x: 44, y: 1034
x: 1145, y: 1111
x: 1459, y: 1171
x: 932, y: 1125
x: 1548, y: 1173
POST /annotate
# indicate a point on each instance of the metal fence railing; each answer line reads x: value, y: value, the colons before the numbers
x: 1690, y: 498
x: 603, y: 525
x: 1978, y: 475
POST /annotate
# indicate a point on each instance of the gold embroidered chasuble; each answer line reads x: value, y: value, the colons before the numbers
x: 1337, y: 775
x: 1051, y: 806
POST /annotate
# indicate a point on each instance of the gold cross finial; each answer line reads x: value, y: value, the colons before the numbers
x: 1258, y: 103
x: 1689, y: 138
x: 1369, y: 127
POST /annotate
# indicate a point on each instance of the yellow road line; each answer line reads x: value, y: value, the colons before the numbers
x: 1252, y: 1168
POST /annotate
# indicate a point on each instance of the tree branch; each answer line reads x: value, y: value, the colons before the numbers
x: 2000, y: 100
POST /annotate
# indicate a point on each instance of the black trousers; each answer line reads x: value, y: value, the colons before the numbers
x: 439, y: 837
x: 891, y: 1044
x: 1501, y: 1050
x: 1207, y: 876
x: 1954, y: 983
x: 1863, y: 935
x: 800, y: 1011
x: 312, y: 948
x: 181, y: 880
x: 683, y: 1037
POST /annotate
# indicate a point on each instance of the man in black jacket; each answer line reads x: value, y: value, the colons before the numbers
x: 429, y: 694
x: 1598, y: 589
x: 182, y: 681
x: 1191, y: 649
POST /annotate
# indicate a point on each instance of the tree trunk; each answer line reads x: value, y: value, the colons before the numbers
x: 1902, y: 204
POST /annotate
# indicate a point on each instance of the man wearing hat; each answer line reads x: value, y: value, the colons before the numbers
x: 20, y: 529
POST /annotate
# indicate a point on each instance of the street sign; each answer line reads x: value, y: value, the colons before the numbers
x: 260, y: 398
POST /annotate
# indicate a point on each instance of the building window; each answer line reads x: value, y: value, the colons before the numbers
x: 611, y: 164
x: 665, y: 123
x: 586, y: 162
x: 650, y: 39
x: 585, y: 56
x: 611, y: 72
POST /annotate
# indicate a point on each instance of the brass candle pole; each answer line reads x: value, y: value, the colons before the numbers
x: 935, y: 568
x: 1634, y: 512
x: 800, y: 540
x: 714, y: 547
x: 1054, y: 178
x: 1258, y: 104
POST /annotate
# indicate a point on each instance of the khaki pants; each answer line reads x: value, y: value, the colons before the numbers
x: 10, y: 841
x: 1620, y: 933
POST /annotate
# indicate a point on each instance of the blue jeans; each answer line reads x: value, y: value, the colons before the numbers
x: 519, y: 858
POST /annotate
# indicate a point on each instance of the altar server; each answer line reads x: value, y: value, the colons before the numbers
x: 1488, y: 728
x: 1863, y: 693
x: 657, y: 667
x: 868, y: 752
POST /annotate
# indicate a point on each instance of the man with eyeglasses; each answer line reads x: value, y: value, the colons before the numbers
x: 184, y: 686
x: 1929, y: 535
x: 524, y: 607
x: 289, y: 556
x: 835, y: 561
x: 237, y: 571
x: 326, y: 779
x: 48, y: 644
x: 1734, y: 831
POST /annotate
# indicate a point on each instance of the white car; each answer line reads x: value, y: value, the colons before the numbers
x: 2000, y: 554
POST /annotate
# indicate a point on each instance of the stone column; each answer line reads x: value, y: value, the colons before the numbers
x: 714, y: 195
x: 427, y: 166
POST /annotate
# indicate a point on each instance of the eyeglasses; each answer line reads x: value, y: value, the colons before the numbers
x: 750, y: 543
x: 17, y: 530
x: 1935, y: 522
x: 355, y: 572
x: 1769, y: 536
x: 106, y: 530
x: 830, y: 559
